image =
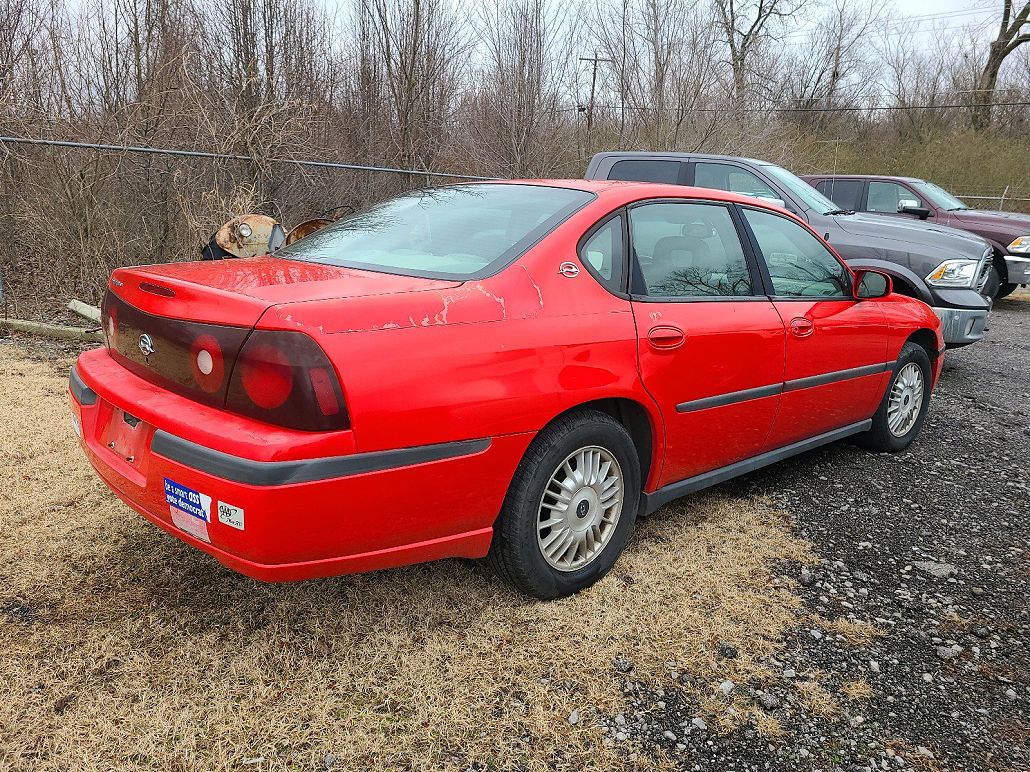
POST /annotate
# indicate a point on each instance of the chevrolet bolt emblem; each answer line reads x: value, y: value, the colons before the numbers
x: 146, y: 344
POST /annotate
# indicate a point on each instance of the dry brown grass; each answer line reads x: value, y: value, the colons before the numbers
x: 816, y: 699
x: 856, y: 690
x: 123, y: 648
x: 857, y: 632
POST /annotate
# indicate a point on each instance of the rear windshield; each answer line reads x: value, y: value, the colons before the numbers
x: 460, y: 232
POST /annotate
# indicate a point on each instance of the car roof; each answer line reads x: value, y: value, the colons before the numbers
x: 886, y: 177
x: 677, y: 155
x: 623, y: 192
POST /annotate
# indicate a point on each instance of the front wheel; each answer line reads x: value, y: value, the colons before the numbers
x: 1005, y: 290
x: 570, y: 509
x: 993, y: 283
x: 901, y: 413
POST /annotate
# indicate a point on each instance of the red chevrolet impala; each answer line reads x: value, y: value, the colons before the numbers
x: 514, y: 370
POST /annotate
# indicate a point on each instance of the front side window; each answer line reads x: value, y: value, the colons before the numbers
x: 646, y: 171
x: 603, y: 251
x: 799, y: 264
x: 888, y: 196
x: 458, y: 232
x: 847, y: 194
x: 732, y: 178
x: 688, y: 250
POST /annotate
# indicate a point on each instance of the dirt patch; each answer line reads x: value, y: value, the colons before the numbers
x: 125, y: 648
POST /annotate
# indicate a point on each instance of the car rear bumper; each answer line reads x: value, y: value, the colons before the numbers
x: 1018, y: 269
x: 278, y: 517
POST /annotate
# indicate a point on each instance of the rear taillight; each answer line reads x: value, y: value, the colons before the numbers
x: 207, y: 363
x: 190, y: 358
x: 285, y: 378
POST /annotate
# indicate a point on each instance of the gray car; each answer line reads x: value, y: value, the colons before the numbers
x: 944, y: 267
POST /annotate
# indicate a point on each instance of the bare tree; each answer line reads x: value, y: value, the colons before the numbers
x: 746, y: 25
x: 919, y: 84
x: 1013, y: 31
x: 662, y: 64
x: 518, y: 100
x: 831, y: 68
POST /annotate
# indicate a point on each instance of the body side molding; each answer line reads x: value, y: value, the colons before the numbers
x: 836, y: 375
x: 730, y: 398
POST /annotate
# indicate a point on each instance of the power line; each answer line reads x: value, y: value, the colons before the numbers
x: 842, y: 109
x: 902, y: 21
x: 229, y: 157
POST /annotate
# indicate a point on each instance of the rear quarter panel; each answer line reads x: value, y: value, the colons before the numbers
x: 498, y: 356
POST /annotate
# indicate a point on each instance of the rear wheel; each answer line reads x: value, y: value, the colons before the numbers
x: 901, y: 413
x: 570, y: 508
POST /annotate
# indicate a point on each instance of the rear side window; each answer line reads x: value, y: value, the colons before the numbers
x: 603, y: 252
x: 688, y: 250
x: 799, y: 264
x: 646, y: 171
x: 847, y: 194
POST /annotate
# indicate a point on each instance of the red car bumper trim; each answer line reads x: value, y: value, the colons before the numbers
x: 244, y: 470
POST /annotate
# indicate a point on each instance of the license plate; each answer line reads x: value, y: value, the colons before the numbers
x: 127, y: 437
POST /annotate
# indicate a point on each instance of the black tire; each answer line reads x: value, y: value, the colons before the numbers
x: 1005, y: 290
x: 515, y: 554
x: 880, y: 437
x: 993, y: 284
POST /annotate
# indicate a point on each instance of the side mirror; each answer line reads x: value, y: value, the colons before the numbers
x: 911, y: 206
x: 871, y: 284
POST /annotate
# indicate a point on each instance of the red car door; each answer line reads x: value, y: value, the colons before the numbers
x: 836, y: 346
x: 710, y: 343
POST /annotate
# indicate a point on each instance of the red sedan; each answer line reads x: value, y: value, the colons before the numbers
x: 513, y: 370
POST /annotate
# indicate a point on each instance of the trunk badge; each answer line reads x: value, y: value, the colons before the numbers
x: 146, y: 344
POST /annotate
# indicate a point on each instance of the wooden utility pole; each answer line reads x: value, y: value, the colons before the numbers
x: 594, y: 60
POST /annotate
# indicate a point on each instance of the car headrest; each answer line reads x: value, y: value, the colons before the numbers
x: 697, y: 230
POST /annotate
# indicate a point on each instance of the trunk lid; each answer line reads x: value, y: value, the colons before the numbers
x: 236, y: 292
x: 182, y: 325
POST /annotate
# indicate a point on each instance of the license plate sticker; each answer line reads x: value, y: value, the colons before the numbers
x: 190, y: 509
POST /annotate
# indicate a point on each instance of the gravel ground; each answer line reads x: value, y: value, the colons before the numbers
x: 930, y: 546
x: 911, y: 649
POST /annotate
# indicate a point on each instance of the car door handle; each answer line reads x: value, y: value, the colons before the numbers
x: 801, y: 327
x: 665, y: 336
